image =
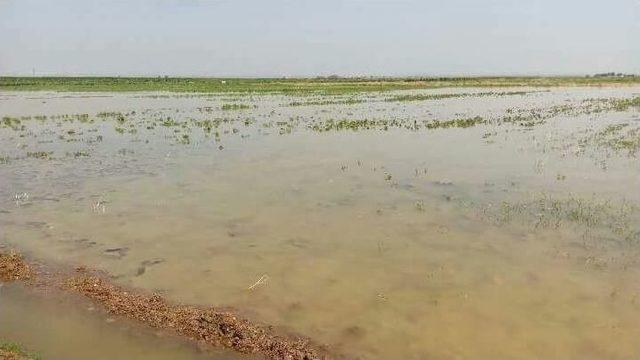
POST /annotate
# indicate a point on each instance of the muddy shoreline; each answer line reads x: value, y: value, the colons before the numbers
x: 212, y: 326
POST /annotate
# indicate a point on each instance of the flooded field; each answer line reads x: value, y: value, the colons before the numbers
x: 63, y: 328
x: 452, y: 223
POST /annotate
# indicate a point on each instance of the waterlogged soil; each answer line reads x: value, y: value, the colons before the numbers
x: 452, y: 223
x: 66, y: 327
x: 221, y: 328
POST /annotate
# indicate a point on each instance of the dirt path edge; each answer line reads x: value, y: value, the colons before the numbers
x: 210, y: 325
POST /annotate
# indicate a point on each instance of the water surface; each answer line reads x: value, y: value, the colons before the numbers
x: 513, y: 239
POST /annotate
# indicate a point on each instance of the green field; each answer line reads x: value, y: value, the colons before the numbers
x: 299, y: 85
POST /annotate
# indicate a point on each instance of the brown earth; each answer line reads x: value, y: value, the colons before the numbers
x: 13, y: 267
x: 10, y: 355
x: 209, y: 325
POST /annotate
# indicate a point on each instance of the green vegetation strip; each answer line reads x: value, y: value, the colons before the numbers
x: 300, y: 85
x: 422, y: 97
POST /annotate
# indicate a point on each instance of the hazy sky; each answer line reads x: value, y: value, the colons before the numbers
x: 304, y: 37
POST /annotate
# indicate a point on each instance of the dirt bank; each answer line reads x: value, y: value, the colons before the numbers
x: 11, y: 355
x: 210, y: 325
x: 13, y: 267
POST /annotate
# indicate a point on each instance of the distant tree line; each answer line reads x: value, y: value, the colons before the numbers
x: 612, y: 74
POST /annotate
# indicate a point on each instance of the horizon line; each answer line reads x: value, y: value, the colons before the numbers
x: 321, y: 76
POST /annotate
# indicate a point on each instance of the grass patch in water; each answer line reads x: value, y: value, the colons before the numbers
x: 12, y: 123
x: 14, y: 351
x: 386, y: 124
x: 458, y: 123
x: 617, y: 137
x: 625, y: 104
x: 545, y: 211
x: 235, y: 107
x: 326, y: 102
x: 423, y: 97
x: 45, y: 155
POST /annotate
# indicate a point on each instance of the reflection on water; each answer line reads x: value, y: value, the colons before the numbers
x: 493, y: 241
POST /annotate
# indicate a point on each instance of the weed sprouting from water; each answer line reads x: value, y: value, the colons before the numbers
x: 235, y: 107
x: 423, y: 97
x: 458, y: 123
x: 617, y: 137
x: 327, y: 102
x: 14, y: 351
x: 544, y: 211
x: 45, y: 155
x: 184, y: 139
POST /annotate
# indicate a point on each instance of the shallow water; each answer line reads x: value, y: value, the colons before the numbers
x: 63, y: 327
x: 500, y: 240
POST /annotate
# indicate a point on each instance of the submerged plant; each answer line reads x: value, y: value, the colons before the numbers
x: 544, y: 211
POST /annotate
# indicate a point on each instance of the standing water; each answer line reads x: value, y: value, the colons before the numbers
x: 449, y: 224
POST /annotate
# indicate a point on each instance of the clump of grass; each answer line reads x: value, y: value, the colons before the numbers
x: 107, y: 114
x: 533, y: 117
x: 459, y: 123
x: 169, y: 122
x: 13, y: 123
x: 45, y: 155
x: 617, y: 137
x: 625, y: 104
x: 14, y: 351
x: 423, y: 97
x: 208, y: 125
x: 386, y: 124
x: 326, y: 102
x: 354, y: 124
x: 79, y: 154
x: 527, y: 117
x: 235, y: 106
x: 545, y: 211
x: 82, y: 118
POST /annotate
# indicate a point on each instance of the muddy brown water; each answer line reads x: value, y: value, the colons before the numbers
x: 58, y: 326
x: 494, y: 241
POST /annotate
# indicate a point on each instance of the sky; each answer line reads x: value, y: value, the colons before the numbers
x: 273, y: 38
